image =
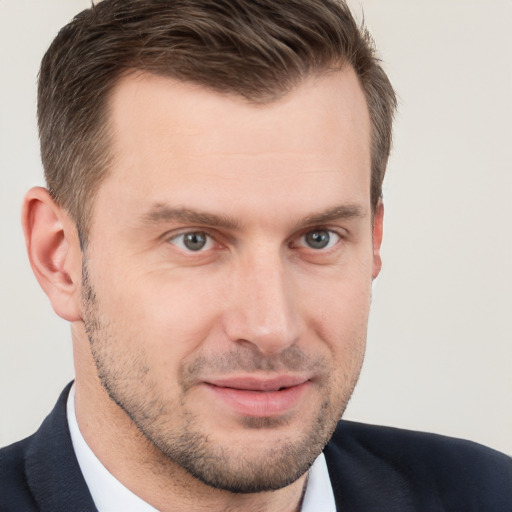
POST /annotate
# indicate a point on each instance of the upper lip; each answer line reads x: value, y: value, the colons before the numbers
x: 251, y: 383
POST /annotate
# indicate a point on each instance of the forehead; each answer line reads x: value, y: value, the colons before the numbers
x: 330, y: 102
x: 177, y: 142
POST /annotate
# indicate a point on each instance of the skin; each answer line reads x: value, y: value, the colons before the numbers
x: 158, y: 328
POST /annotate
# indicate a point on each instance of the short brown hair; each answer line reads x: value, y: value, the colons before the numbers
x: 259, y: 49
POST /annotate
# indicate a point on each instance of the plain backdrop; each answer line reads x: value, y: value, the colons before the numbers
x: 439, y: 352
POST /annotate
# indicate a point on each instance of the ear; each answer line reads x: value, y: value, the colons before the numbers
x: 378, y: 221
x: 54, y: 251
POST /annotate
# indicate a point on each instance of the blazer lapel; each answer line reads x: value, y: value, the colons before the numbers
x: 362, y: 481
x: 52, y: 470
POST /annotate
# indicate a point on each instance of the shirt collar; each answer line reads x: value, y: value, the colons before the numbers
x: 110, y: 495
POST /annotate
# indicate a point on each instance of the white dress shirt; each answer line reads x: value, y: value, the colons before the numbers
x: 110, y: 495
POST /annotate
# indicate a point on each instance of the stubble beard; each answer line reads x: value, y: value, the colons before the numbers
x: 127, y: 380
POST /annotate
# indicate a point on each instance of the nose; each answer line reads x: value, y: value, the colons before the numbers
x: 263, y: 308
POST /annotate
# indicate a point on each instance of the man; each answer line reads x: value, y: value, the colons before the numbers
x: 211, y: 229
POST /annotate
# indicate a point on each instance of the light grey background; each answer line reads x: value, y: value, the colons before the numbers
x: 439, y: 350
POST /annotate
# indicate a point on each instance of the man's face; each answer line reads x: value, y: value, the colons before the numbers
x: 228, y: 272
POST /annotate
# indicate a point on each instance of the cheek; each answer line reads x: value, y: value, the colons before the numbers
x: 344, y: 332
x: 345, y: 311
x: 340, y: 297
x: 339, y: 316
x: 167, y: 319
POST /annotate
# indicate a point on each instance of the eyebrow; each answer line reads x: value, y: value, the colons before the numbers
x: 346, y: 211
x: 161, y: 213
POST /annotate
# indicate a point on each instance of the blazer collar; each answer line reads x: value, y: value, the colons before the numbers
x: 362, y: 480
x: 52, y: 470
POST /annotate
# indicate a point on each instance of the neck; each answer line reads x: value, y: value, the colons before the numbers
x: 142, y: 468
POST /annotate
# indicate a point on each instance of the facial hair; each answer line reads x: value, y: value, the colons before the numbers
x: 178, y: 433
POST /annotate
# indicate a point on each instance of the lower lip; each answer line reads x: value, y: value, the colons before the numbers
x: 260, y: 404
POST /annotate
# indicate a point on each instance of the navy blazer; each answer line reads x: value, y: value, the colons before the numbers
x: 372, y: 469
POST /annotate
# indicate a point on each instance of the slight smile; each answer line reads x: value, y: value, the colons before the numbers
x: 259, y: 398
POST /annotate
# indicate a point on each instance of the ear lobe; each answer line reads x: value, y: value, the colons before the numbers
x: 378, y: 221
x: 54, y: 251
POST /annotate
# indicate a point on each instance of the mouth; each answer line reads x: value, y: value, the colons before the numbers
x: 259, y: 397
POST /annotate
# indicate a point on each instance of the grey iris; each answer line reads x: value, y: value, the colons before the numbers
x: 317, y: 239
x: 194, y: 241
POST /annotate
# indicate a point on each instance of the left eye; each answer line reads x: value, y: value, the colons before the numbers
x: 194, y: 241
x: 320, y: 239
